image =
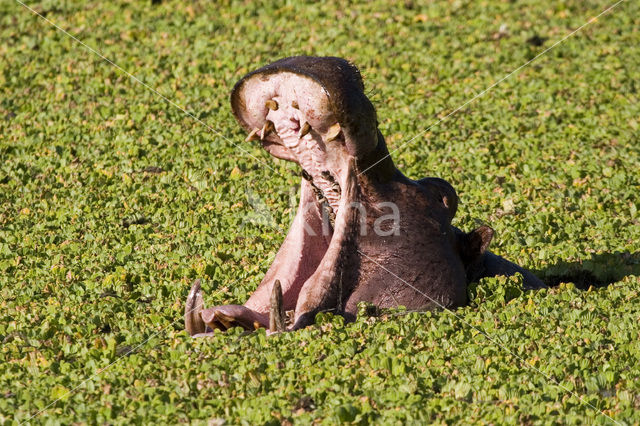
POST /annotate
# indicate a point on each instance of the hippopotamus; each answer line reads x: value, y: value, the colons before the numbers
x: 363, y: 232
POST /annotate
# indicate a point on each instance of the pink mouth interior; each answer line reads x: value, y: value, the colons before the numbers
x: 301, y: 118
x: 292, y: 102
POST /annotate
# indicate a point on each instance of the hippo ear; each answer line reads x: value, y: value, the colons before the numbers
x: 475, y: 243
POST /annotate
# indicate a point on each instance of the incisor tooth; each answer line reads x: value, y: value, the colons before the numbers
x: 253, y: 135
x: 306, y: 128
x: 295, y: 105
x: 272, y: 105
x: 333, y: 132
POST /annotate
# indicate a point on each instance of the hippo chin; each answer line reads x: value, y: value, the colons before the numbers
x: 363, y: 231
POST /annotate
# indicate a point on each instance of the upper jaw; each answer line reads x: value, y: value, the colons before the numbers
x: 327, y: 91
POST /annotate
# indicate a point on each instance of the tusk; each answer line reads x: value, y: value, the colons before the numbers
x: 253, y: 136
x: 306, y: 128
x: 276, y: 311
x: 267, y: 128
x: 225, y: 320
x: 271, y: 104
x: 193, y: 322
x: 333, y: 132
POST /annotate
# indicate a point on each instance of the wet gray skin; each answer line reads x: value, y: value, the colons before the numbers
x: 346, y: 243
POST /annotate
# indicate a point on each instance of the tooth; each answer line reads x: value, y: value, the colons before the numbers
x: 272, y: 105
x: 276, y: 311
x: 253, y: 136
x: 295, y: 105
x: 267, y: 128
x: 290, y: 316
x: 333, y: 132
x: 225, y: 320
x: 306, y: 128
x: 192, y: 320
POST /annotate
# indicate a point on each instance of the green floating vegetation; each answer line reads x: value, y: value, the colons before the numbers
x: 112, y: 201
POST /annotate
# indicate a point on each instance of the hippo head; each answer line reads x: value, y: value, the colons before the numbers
x: 363, y: 231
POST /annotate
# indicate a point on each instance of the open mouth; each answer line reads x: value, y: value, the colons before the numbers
x: 293, y: 118
x: 311, y: 111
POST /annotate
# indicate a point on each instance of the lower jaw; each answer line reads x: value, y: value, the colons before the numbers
x: 326, y: 286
